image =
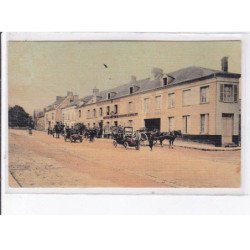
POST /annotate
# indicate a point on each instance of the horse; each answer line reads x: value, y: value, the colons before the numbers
x: 171, y: 136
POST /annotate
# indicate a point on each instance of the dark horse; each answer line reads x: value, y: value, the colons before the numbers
x: 171, y: 136
x: 90, y: 134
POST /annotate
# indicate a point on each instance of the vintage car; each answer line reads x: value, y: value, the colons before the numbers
x: 125, y: 138
x: 72, y: 136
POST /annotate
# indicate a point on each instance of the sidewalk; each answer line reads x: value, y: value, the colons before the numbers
x: 190, y: 145
x: 203, y: 146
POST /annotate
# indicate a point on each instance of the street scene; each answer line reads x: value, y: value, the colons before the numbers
x: 39, y: 160
x: 124, y: 114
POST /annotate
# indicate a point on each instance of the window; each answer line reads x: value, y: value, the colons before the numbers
x: 130, y: 107
x: 130, y: 123
x: 131, y: 90
x: 94, y: 112
x: 79, y: 113
x: 186, y: 97
x: 171, y: 100
x: 170, y: 124
x: 204, y: 95
x: 100, y: 111
x: 158, y: 102
x: 52, y: 116
x: 228, y: 93
x: 108, y: 110
x: 63, y: 116
x: 88, y: 114
x: 116, y: 109
x: 186, y: 124
x: 68, y: 116
x: 165, y: 81
x: 146, y: 105
x: 109, y: 95
x: 204, y: 123
x: 116, y: 123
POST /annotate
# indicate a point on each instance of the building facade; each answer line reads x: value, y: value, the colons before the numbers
x: 53, y: 112
x: 202, y: 103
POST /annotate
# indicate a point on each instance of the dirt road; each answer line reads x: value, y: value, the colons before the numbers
x: 43, y: 161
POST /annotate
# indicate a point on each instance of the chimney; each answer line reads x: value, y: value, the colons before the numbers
x: 58, y: 98
x: 95, y: 91
x: 157, y: 73
x: 224, y: 64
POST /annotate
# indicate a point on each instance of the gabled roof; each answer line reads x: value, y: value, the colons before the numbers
x: 83, y: 101
x: 56, y: 103
x: 181, y: 76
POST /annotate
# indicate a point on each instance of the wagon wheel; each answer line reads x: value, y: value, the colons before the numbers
x: 115, y: 143
x: 125, y: 144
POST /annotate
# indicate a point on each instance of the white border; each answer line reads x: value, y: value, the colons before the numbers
x: 75, y: 192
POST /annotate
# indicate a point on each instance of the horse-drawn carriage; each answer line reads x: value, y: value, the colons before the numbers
x: 72, y: 135
x: 124, y: 137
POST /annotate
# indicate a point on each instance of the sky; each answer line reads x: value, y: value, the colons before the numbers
x: 40, y: 71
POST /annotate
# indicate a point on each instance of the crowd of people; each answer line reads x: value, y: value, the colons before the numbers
x: 117, y: 133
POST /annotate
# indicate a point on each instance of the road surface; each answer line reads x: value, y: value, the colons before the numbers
x: 39, y: 160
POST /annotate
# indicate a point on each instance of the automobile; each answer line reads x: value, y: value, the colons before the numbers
x: 125, y: 138
x: 72, y: 136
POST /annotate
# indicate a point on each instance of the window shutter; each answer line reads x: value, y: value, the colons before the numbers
x: 235, y: 93
x: 221, y: 92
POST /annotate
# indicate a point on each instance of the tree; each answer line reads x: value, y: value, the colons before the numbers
x: 18, y: 117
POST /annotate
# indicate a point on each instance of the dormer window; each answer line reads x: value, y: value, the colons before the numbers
x: 109, y: 95
x: 131, y: 90
x: 165, y: 81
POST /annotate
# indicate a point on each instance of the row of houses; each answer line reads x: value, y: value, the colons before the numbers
x: 202, y: 103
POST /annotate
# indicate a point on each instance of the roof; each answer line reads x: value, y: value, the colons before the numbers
x: 181, y: 76
x: 56, y: 103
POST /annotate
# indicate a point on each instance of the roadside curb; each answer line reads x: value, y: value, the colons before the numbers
x: 209, y: 149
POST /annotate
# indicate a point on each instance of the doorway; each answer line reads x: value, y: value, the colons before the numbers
x: 152, y: 124
x: 227, y: 128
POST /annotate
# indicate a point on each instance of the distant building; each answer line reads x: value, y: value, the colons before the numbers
x: 53, y: 112
x: 39, y: 120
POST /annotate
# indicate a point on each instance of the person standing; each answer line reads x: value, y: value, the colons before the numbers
x: 30, y: 130
x: 151, y: 142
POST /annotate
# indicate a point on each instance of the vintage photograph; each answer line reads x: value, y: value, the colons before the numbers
x: 124, y: 114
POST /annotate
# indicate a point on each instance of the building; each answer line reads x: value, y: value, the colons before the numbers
x: 69, y: 113
x: 202, y: 103
x: 53, y: 112
x: 39, y: 120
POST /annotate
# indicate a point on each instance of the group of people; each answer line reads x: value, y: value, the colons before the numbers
x: 117, y: 132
